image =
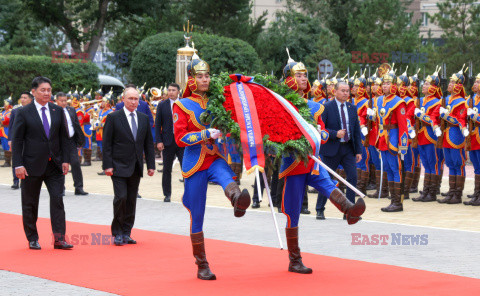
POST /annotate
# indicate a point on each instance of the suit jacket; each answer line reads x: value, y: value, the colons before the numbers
x: 142, y: 107
x: 333, y: 123
x: 30, y: 146
x: 120, y: 150
x: 78, y: 137
x: 164, y: 124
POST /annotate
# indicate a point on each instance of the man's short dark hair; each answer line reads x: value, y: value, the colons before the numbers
x: 174, y: 85
x: 130, y: 85
x: 60, y: 94
x: 39, y: 80
x: 337, y: 85
x: 28, y: 94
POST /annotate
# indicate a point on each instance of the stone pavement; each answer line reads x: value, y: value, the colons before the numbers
x: 433, y: 237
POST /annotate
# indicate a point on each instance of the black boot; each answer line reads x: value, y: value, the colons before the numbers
x: 198, y: 244
x: 426, y: 187
x: 408, y: 183
x: 451, y: 191
x: 416, y: 179
x: 432, y: 189
x: 476, y: 191
x: 296, y: 264
x: 352, y: 211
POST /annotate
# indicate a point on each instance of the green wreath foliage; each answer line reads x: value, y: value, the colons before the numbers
x: 218, y: 117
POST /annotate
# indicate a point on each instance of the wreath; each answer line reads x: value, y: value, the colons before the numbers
x: 281, y: 137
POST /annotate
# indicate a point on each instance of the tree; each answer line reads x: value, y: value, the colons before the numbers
x: 82, y: 21
x: 384, y: 26
x: 460, y: 22
x: 307, y: 39
x: 230, y: 18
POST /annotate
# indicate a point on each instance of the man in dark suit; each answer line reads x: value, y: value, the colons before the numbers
x: 25, y: 99
x: 126, y: 137
x: 165, y: 139
x: 75, y: 139
x: 344, y: 145
x: 40, y: 155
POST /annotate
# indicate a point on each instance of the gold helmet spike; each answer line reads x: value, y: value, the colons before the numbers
x: 195, y: 55
x: 316, y: 83
x: 344, y: 77
x: 363, y: 74
x: 354, y: 75
x: 405, y: 73
x: 477, y: 77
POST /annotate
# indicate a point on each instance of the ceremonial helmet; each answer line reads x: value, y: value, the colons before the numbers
x: 88, y: 96
x: 8, y: 102
x: 320, y: 88
x: 391, y: 77
x: 289, y: 71
x: 403, y: 79
x: 99, y: 92
x: 414, y: 83
x: 361, y: 83
x: 332, y: 80
x: 194, y: 67
x: 459, y: 79
x: 351, y: 80
x: 434, y: 80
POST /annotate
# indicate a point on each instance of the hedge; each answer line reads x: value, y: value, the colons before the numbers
x: 17, y: 73
x: 154, y: 59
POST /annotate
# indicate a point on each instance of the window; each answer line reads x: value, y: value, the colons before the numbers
x: 424, y: 19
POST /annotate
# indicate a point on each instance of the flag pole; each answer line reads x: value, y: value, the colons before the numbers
x: 337, y: 176
x: 271, y: 209
x: 259, y: 188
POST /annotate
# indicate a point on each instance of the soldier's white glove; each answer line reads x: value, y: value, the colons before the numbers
x: 470, y: 111
x: 465, y: 132
x: 418, y: 112
x: 412, y: 134
x: 214, y: 133
x: 370, y: 112
x: 364, y: 131
x: 443, y: 111
x: 438, y: 132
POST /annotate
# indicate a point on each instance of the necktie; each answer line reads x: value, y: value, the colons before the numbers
x: 134, y: 125
x: 344, y: 123
x: 46, y: 126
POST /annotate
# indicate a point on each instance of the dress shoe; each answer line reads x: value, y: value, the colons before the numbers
x: 255, y: 205
x: 118, y: 240
x: 320, y: 215
x: 139, y: 196
x: 102, y: 173
x: 160, y: 170
x: 167, y: 198
x: 34, y: 245
x: 79, y: 191
x: 128, y: 240
x: 15, y: 185
x: 62, y: 245
x: 305, y: 211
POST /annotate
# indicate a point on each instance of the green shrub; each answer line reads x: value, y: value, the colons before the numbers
x: 154, y: 59
x: 17, y: 73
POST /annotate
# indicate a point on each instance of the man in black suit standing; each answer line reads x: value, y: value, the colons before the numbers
x: 344, y: 145
x: 126, y: 137
x: 165, y: 139
x: 25, y: 99
x: 40, y: 155
x: 75, y: 139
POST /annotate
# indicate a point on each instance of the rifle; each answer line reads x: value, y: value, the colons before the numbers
x: 417, y: 123
x: 442, y: 125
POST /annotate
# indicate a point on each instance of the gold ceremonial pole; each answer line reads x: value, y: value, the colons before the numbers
x: 184, y: 56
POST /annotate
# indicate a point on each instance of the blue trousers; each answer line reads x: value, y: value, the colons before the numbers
x: 293, y: 193
x: 409, y: 160
x: 475, y: 159
x: 455, y: 161
x: 374, y: 156
x: 4, y: 144
x: 195, y: 195
x: 416, y: 156
x: 392, y: 164
x: 430, y: 159
x: 364, y: 163
x: 99, y: 144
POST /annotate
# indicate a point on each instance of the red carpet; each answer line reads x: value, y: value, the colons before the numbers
x: 162, y: 264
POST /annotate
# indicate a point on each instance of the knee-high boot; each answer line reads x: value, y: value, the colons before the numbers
x: 296, y: 264
x: 451, y: 191
x: 198, y: 245
x: 240, y: 199
x: 396, y: 204
x: 352, y: 211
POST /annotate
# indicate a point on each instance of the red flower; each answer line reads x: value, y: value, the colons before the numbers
x: 275, y: 121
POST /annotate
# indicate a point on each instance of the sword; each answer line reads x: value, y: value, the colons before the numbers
x: 381, y: 175
x: 337, y: 176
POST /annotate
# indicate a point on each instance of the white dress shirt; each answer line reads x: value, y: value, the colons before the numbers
x: 47, y: 112
x: 129, y: 118
x: 346, y: 117
x: 171, y: 104
x: 71, y: 131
